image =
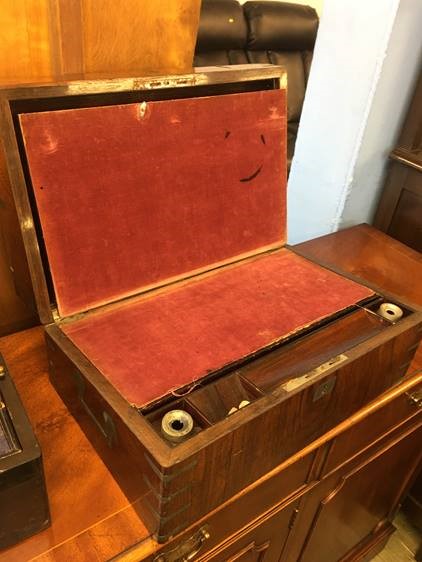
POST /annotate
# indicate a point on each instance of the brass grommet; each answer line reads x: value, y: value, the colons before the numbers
x: 176, y: 425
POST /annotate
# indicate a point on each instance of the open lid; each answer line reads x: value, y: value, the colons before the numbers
x: 131, y: 196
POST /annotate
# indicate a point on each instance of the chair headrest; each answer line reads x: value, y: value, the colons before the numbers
x: 280, y: 26
x: 221, y: 26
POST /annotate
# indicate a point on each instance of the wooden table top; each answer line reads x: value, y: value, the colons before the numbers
x: 92, y: 519
x: 89, y: 512
x: 371, y: 255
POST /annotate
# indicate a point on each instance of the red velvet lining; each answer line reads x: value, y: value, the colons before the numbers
x: 148, y: 347
x: 132, y: 195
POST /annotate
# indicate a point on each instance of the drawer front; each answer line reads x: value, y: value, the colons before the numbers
x: 262, y: 542
x: 360, y: 499
x: 406, y: 406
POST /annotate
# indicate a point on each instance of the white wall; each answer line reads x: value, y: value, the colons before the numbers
x: 364, y: 67
x: 394, y: 90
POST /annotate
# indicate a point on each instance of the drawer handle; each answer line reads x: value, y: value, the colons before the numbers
x: 415, y: 398
x: 187, y: 550
x: 251, y: 548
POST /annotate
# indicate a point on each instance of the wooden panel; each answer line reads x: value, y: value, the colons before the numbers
x: 406, y: 224
x: 318, y: 347
x: 238, y: 458
x: 411, y: 134
x: 24, y: 41
x: 139, y: 36
x: 243, y: 511
x: 399, y: 212
x: 361, y: 435
x: 361, y: 500
x: 17, y: 302
x: 58, y: 38
x: 14, y: 315
x: 413, y: 504
x: 400, y: 209
x: 397, y: 175
x: 262, y: 543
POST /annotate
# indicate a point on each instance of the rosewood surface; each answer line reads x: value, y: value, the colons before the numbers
x: 212, y: 466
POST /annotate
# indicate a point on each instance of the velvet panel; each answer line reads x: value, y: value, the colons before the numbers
x: 130, y: 196
x: 148, y: 347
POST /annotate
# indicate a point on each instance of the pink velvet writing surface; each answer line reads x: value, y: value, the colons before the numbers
x: 148, y: 347
x: 132, y: 195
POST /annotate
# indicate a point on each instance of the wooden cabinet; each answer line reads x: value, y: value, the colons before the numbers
x: 260, y: 542
x: 346, y: 515
x: 361, y: 501
x: 399, y: 211
x: 346, y: 486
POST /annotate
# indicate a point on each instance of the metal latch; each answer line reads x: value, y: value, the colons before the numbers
x: 297, y: 382
x: 415, y: 398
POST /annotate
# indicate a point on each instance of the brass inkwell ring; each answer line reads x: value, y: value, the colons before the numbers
x: 176, y: 425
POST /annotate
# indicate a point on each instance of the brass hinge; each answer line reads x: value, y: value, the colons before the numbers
x: 55, y: 313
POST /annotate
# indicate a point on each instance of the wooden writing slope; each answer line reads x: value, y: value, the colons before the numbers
x: 154, y: 217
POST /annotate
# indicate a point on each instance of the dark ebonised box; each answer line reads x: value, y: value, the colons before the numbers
x: 23, y: 499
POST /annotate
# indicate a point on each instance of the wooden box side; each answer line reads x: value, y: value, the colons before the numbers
x: 185, y: 482
x: 119, y: 435
x: 294, y: 420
